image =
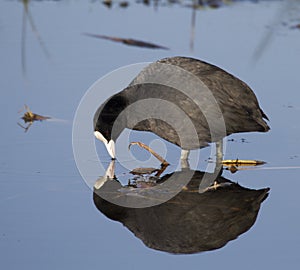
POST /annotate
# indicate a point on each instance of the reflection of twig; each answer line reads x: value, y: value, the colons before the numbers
x: 23, y: 51
x: 285, y: 7
x: 193, y: 23
x: 141, y: 171
x: 262, y: 168
x: 36, y: 33
x: 27, y: 15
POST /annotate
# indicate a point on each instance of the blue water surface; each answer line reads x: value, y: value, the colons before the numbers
x: 48, y: 218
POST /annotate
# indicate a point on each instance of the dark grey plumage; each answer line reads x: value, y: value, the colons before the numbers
x: 236, y: 102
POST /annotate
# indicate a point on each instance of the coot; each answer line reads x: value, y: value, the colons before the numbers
x: 185, y: 101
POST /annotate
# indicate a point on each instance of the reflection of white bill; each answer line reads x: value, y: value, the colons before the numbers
x: 109, y: 175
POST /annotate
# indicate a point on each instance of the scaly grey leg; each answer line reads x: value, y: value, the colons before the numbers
x: 184, y: 154
x: 219, y: 156
x: 184, y: 159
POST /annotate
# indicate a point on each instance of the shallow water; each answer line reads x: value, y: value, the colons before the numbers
x: 49, y: 219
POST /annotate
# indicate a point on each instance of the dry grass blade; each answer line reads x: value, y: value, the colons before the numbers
x: 129, y: 41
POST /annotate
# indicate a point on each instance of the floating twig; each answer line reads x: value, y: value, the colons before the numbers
x: 242, y: 162
x: 146, y: 147
x: 164, y: 164
x: 234, y: 164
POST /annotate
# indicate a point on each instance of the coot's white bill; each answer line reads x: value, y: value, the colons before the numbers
x: 110, y: 146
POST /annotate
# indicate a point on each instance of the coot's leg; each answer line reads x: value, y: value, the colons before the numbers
x: 184, y: 154
x: 219, y: 151
x: 185, y: 164
x: 219, y: 157
x: 210, y: 180
x: 184, y: 159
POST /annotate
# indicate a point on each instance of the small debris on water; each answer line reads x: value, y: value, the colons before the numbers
x: 30, y: 117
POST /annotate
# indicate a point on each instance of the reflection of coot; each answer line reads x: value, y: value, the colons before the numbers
x: 185, y: 101
x: 190, y: 222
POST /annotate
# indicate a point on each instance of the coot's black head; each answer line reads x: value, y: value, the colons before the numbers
x: 105, y: 129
